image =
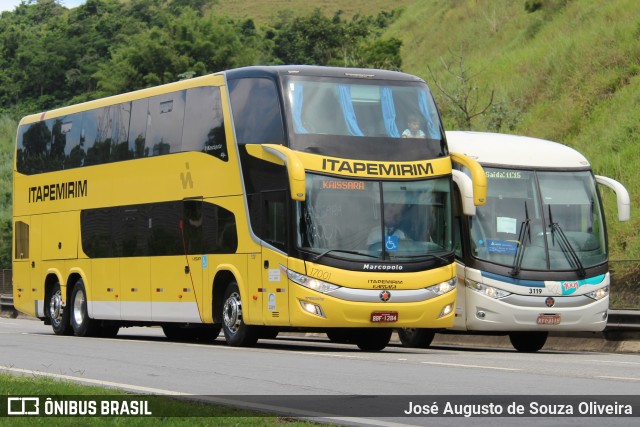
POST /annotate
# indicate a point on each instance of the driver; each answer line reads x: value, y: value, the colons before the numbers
x: 393, y: 217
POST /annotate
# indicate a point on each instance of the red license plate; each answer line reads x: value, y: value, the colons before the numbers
x: 548, y: 319
x: 384, y: 316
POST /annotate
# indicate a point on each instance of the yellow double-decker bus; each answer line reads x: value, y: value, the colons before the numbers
x: 254, y: 200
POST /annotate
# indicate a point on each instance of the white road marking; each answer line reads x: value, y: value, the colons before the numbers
x: 618, y: 378
x: 457, y: 365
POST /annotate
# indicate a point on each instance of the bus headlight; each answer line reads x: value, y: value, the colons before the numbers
x: 598, y: 294
x: 486, y: 290
x: 310, y: 282
x: 442, y: 288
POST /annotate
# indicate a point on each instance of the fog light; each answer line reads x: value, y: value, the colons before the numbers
x: 312, y: 308
x: 481, y: 315
x: 605, y: 315
x: 447, y: 309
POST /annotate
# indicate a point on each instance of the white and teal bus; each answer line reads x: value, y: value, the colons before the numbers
x: 534, y: 258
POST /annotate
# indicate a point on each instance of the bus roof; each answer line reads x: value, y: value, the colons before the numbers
x: 497, y: 149
x: 318, y: 71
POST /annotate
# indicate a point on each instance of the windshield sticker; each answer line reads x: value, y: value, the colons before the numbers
x: 391, y: 243
x: 506, y: 225
x: 504, y: 174
x: 343, y: 185
x: 502, y: 247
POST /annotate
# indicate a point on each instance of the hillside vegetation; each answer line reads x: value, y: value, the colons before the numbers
x: 563, y: 70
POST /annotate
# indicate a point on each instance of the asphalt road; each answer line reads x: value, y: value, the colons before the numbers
x: 142, y: 360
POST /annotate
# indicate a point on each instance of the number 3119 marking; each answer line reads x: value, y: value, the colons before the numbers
x: 535, y: 291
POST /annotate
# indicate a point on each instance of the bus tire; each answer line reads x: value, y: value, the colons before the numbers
x: 342, y: 335
x: 109, y: 330
x: 59, y: 315
x: 82, y: 324
x: 528, y: 342
x: 268, y: 332
x: 373, y: 339
x: 236, y: 332
x: 416, y: 338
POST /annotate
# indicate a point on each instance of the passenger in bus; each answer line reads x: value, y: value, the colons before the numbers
x: 413, y: 131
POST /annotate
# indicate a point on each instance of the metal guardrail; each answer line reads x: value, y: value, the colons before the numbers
x: 623, y: 320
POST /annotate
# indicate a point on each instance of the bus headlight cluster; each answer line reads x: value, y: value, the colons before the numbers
x: 598, y: 294
x: 442, y: 288
x: 487, y: 290
x: 310, y: 282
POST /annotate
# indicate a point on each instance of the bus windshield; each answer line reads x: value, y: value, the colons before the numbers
x: 362, y: 220
x: 540, y: 220
x: 397, y: 120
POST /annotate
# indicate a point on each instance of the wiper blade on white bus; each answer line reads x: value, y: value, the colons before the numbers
x: 317, y: 257
x: 566, y: 246
x: 525, y: 231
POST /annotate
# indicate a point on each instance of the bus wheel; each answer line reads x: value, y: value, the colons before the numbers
x: 416, y: 338
x: 82, y: 324
x: 58, y: 314
x: 236, y: 332
x: 342, y: 335
x: 373, y: 339
x: 528, y: 342
x: 268, y: 332
x: 109, y: 330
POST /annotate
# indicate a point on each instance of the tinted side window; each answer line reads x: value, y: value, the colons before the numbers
x: 165, y: 121
x: 220, y: 233
x: 165, y: 236
x: 120, y: 149
x: 138, y: 128
x: 158, y: 229
x: 204, y: 124
x: 96, y: 135
x: 256, y: 111
x: 34, y: 143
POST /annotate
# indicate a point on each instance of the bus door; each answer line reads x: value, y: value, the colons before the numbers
x: 25, y: 267
x: 275, y: 290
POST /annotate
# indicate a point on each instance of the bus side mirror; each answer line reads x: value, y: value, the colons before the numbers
x: 466, y: 192
x: 478, y: 177
x: 624, y: 202
x: 281, y: 155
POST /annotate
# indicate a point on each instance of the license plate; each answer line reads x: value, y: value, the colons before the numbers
x: 384, y: 316
x: 548, y: 319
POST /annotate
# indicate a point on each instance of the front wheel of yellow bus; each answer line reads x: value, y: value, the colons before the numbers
x: 236, y: 332
x: 373, y: 339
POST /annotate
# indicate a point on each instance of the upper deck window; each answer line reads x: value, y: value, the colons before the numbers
x: 256, y: 111
x: 396, y: 120
x: 186, y: 120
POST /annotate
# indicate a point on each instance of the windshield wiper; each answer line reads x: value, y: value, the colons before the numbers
x: 565, y: 245
x: 525, y: 231
x: 342, y: 251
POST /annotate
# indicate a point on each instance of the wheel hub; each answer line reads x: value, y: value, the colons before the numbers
x: 55, y: 307
x: 232, y: 312
x: 78, y: 314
